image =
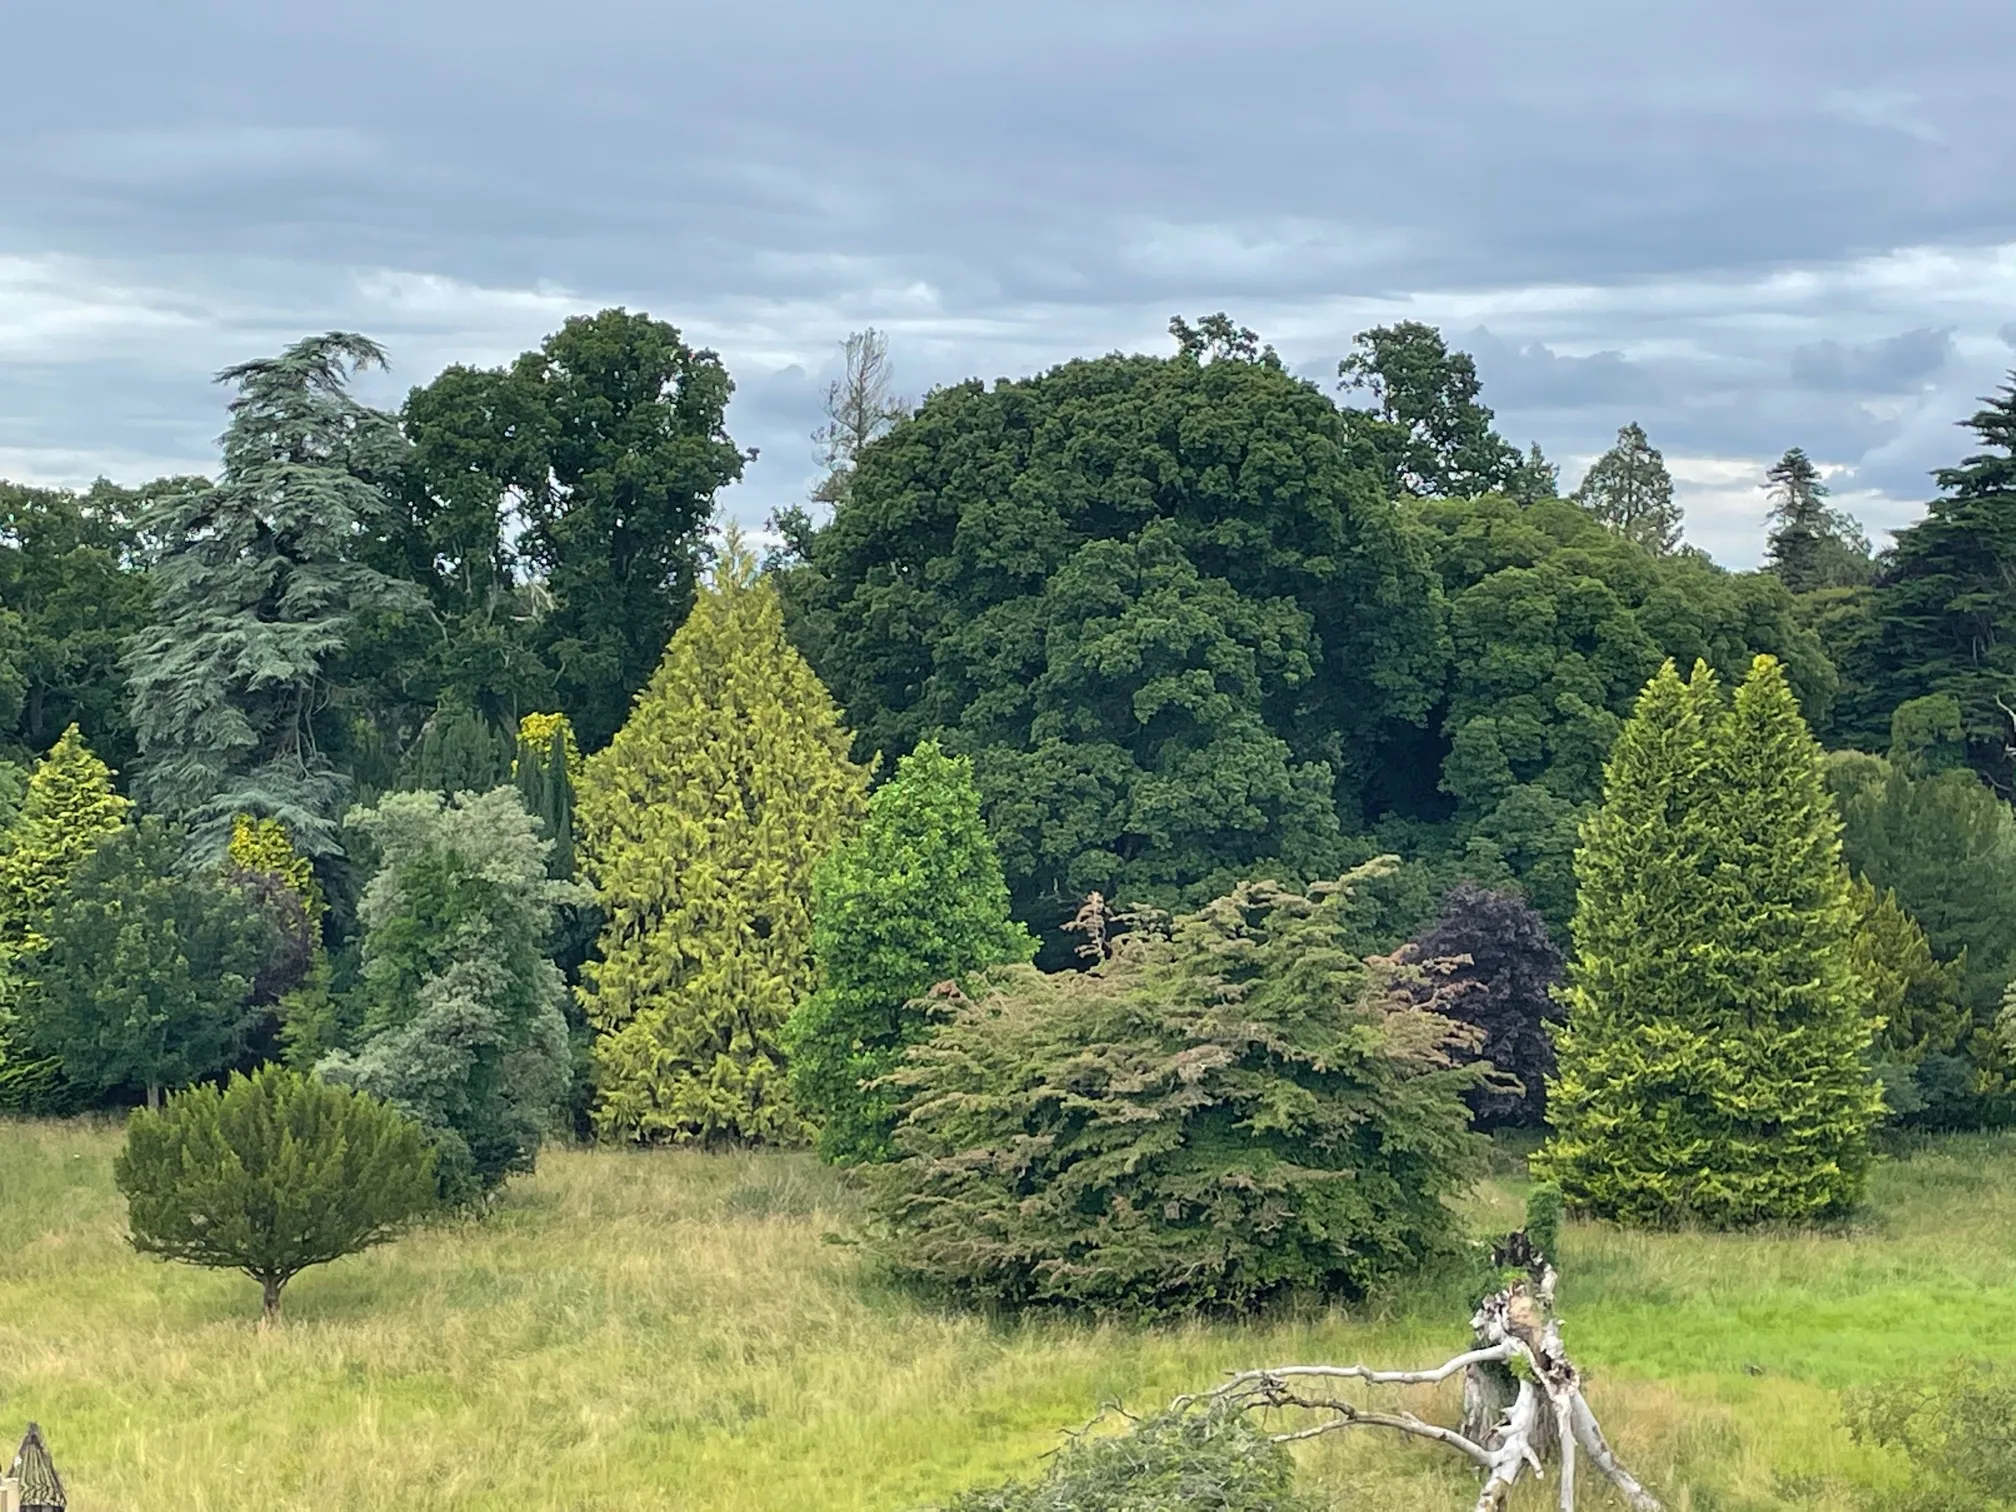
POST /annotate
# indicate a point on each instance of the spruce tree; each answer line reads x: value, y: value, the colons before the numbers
x: 913, y: 899
x: 256, y: 586
x: 1713, y: 1067
x: 1810, y: 546
x: 701, y: 825
x: 1629, y: 490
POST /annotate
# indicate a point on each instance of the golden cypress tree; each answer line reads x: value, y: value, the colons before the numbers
x: 70, y: 807
x: 701, y: 825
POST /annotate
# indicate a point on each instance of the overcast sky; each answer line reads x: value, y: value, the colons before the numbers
x: 1746, y: 224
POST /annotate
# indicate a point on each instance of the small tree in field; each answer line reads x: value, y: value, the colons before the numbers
x: 271, y: 1175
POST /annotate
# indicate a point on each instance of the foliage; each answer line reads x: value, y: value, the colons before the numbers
x: 1427, y: 432
x: 71, y: 588
x: 270, y: 1175
x: 1213, y: 1114
x: 1945, y: 608
x: 146, y: 976
x: 915, y: 897
x: 1182, y: 1459
x: 1629, y: 490
x: 1958, y: 1426
x: 462, y: 1024
x: 546, y: 771
x: 1503, y: 966
x: 459, y: 751
x: 255, y: 590
x: 1177, y: 630
x: 1555, y: 624
x: 1914, y: 995
x: 1712, y: 1064
x: 700, y: 827
x: 861, y: 405
x: 1810, y: 545
x: 1544, y: 1211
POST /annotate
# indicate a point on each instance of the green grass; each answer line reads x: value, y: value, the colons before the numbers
x: 690, y: 1331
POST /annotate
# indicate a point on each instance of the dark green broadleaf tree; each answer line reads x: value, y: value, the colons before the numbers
x: 1427, y: 432
x: 255, y: 587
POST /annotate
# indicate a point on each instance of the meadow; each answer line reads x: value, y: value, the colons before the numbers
x: 671, y: 1330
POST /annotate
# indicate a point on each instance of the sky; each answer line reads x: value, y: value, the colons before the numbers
x: 1744, y: 224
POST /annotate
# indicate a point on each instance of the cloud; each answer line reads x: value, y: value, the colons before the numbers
x: 1716, y: 219
x: 1895, y: 365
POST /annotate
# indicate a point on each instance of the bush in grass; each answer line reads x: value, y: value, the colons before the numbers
x: 1958, y: 1427
x: 270, y: 1175
x: 1225, y: 1108
x: 1196, y: 1459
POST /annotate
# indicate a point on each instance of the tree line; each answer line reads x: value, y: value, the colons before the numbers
x: 447, y: 756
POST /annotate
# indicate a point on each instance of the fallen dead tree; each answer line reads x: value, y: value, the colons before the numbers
x: 1522, y: 1399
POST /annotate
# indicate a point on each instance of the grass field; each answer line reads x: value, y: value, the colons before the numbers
x: 690, y: 1331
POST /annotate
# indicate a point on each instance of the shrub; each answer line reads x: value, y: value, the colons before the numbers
x: 1225, y: 1108
x: 1196, y: 1459
x: 270, y: 1175
x: 1958, y: 1427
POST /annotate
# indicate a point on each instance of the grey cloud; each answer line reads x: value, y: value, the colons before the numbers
x: 1880, y: 367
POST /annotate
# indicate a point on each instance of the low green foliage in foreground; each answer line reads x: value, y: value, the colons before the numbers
x: 671, y: 1330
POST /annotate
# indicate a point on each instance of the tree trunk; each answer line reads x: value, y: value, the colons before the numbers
x: 153, y: 1097
x: 271, y: 1285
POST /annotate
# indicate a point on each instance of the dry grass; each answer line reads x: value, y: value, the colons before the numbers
x: 687, y: 1331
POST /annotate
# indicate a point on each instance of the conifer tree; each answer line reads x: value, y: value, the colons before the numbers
x: 915, y: 898
x: 1629, y: 490
x: 1810, y: 546
x: 1712, y: 1067
x: 68, y: 810
x: 459, y: 751
x: 701, y: 825
x: 545, y: 771
x: 280, y: 882
x: 256, y: 585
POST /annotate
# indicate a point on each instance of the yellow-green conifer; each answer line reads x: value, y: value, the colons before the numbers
x: 701, y: 825
x: 69, y: 807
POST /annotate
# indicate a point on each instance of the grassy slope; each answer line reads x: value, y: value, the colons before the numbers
x: 681, y: 1331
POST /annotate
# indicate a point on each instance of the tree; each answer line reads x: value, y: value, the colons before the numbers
x: 270, y: 1175
x: 462, y: 1026
x: 1535, y: 479
x: 1504, y: 966
x: 1178, y: 632
x: 1945, y: 606
x: 69, y: 576
x: 68, y: 808
x: 1916, y: 998
x: 459, y: 750
x: 1712, y: 1066
x: 700, y: 826
x: 1630, y: 491
x: 619, y: 504
x: 912, y: 899
x: 861, y: 404
x: 1217, y: 1112
x: 255, y: 589
x: 146, y: 977
x: 545, y: 772
x: 1427, y: 431
x: 1811, y: 546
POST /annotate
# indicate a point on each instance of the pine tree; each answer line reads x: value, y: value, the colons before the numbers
x: 701, y: 825
x: 1810, y: 546
x: 255, y: 587
x: 1629, y: 490
x: 1713, y: 1063
x: 915, y: 898
x: 1946, y: 607
x: 68, y: 810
